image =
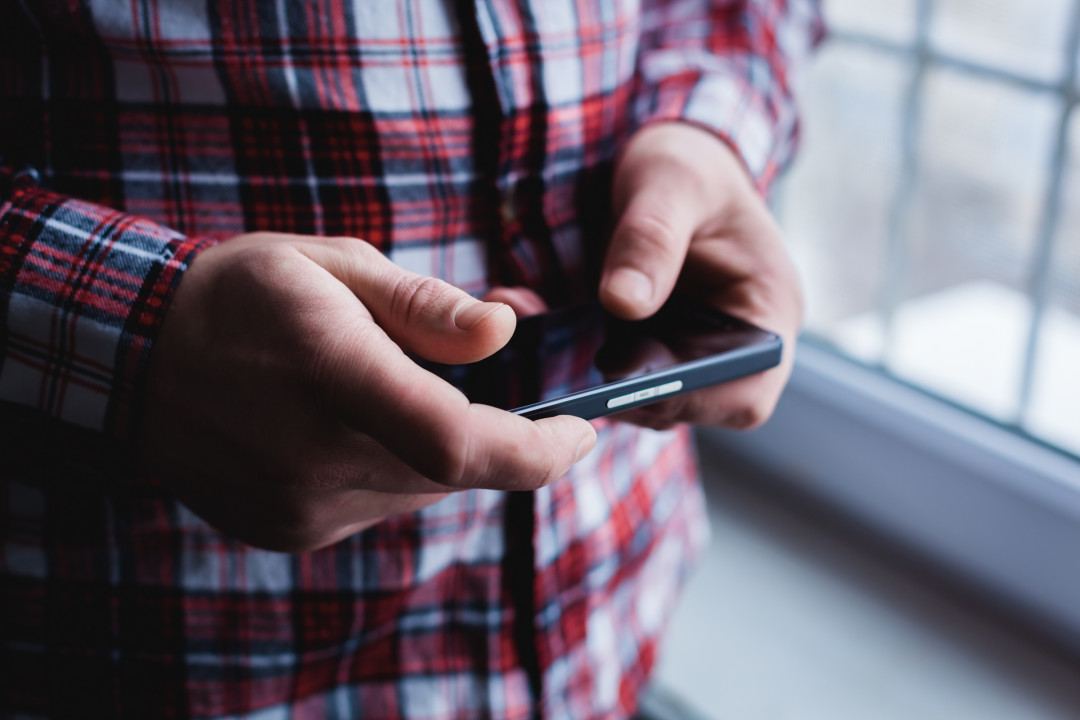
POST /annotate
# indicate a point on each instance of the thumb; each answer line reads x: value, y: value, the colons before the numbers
x: 423, y: 314
x: 647, y: 249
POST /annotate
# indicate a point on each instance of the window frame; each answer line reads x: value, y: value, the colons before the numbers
x: 926, y: 57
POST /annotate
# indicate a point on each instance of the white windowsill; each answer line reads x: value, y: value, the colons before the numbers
x: 981, y: 502
x: 791, y: 614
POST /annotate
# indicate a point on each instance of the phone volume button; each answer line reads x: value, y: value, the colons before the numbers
x: 647, y: 393
x: 674, y: 386
x: 621, y: 400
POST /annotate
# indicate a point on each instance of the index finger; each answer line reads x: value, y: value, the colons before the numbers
x: 738, y: 405
x: 650, y: 241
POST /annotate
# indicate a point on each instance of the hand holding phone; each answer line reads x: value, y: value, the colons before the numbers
x: 583, y: 361
x: 310, y: 423
x: 688, y: 217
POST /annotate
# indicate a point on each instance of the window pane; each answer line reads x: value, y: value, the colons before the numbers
x: 983, y: 165
x: 1055, y: 403
x: 1027, y: 37
x: 923, y: 264
x: 961, y: 324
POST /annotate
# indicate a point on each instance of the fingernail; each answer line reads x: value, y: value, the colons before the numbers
x: 631, y: 285
x: 586, y: 446
x: 471, y: 316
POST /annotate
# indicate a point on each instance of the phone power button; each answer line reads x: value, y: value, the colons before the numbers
x: 645, y: 394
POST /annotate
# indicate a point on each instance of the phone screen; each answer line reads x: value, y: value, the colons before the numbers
x: 556, y: 357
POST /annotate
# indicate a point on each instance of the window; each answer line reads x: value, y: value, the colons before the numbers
x: 935, y: 209
x: 935, y: 214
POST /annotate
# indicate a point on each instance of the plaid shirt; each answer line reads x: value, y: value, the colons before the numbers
x: 472, y: 141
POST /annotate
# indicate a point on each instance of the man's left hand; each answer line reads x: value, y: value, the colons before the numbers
x: 689, y: 219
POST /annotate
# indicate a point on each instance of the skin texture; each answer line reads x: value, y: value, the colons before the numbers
x: 283, y: 410
x: 689, y: 218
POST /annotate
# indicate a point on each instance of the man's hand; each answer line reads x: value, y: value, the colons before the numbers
x: 283, y: 409
x: 689, y: 218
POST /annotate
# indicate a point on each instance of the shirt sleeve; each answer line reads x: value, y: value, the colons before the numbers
x: 83, y: 292
x: 726, y: 66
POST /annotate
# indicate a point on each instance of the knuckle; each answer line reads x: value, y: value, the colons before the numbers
x: 414, y: 298
x: 327, y: 361
x: 263, y: 266
x: 360, y: 250
x: 652, y: 232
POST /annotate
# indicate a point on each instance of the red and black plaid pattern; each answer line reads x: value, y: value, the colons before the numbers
x: 82, y: 289
x: 468, y: 140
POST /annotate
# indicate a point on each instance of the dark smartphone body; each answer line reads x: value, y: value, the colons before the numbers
x: 582, y: 361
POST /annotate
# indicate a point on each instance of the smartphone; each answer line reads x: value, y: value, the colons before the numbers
x: 582, y: 361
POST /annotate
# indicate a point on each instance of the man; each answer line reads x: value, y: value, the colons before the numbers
x: 227, y: 490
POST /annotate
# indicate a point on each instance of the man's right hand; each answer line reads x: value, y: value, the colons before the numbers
x: 283, y: 410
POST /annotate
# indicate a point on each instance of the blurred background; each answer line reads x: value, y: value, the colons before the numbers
x: 935, y: 208
x: 902, y: 540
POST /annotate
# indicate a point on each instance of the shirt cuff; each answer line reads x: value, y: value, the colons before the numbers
x: 762, y: 132
x: 83, y: 292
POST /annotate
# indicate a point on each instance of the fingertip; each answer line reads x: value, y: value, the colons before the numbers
x: 469, y: 317
x: 483, y: 328
x: 510, y: 452
x: 628, y: 293
x: 588, y: 442
x: 523, y: 300
x: 569, y: 429
x: 630, y: 285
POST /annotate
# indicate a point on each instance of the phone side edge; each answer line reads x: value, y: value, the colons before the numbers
x: 705, y: 372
